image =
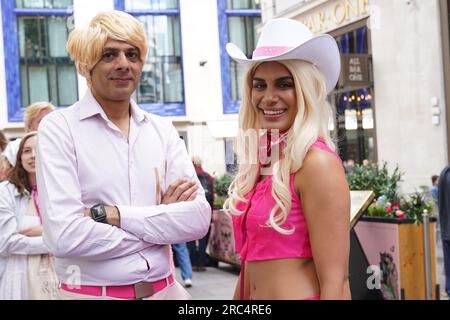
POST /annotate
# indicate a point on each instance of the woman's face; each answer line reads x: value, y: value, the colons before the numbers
x: 273, y: 96
x: 29, y: 155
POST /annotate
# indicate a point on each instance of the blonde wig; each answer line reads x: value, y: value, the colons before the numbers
x: 311, y: 122
x: 33, y: 110
x: 85, y: 45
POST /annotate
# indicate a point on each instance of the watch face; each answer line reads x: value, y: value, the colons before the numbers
x: 98, y: 213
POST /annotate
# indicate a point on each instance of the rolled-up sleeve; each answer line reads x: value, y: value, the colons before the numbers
x: 67, y: 232
x: 11, y: 241
x: 177, y: 222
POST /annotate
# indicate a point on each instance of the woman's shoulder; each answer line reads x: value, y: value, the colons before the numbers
x: 321, y: 145
x: 7, y: 189
x: 321, y: 178
x: 319, y: 165
x: 5, y: 185
x: 318, y: 158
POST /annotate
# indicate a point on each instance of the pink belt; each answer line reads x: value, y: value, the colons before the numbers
x: 132, y: 291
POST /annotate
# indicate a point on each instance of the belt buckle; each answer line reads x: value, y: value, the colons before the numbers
x: 143, y: 290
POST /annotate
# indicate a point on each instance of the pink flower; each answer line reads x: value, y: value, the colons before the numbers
x: 388, y: 209
x: 400, y: 214
x: 396, y: 206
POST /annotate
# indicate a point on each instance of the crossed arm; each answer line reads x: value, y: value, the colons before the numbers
x: 70, y: 234
x: 12, y: 241
x: 179, y: 191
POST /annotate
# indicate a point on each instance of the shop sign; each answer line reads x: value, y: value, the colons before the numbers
x: 355, y: 69
x: 334, y: 14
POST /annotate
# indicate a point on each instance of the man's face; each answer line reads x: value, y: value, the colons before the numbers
x: 117, y: 74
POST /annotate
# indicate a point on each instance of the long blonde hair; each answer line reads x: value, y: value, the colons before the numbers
x: 311, y: 122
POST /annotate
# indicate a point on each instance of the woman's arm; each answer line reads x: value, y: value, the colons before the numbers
x: 11, y: 241
x: 325, y: 197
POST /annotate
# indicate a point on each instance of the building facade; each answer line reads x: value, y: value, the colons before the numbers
x: 187, y: 78
x: 392, y: 99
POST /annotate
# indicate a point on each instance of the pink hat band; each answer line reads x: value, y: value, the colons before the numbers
x: 271, y: 51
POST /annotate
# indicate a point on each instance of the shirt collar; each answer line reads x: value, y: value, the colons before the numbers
x: 90, y: 107
x: 137, y: 113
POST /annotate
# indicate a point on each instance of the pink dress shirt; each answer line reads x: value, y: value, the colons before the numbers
x: 84, y: 159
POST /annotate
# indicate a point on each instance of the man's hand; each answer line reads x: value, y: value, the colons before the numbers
x: 32, y: 232
x: 180, y: 190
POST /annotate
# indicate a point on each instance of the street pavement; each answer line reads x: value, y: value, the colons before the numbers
x: 214, y: 283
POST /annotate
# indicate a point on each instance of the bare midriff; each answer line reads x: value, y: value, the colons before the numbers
x: 282, y: 279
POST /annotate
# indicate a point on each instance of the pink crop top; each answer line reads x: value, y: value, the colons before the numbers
x: 256, y: 240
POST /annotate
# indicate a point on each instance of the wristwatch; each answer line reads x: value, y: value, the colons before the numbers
x: 98, y: 213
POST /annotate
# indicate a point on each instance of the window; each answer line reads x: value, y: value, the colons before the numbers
x: 238, y: 20
x: 38, y: 67
x: 151, y: 4
x: 161, y: 89
x: 231, y: 164
x: 355, y: 104
x: 48, y: 4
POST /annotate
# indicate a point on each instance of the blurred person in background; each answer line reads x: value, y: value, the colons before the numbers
x: 444, y: 222
x: 28, y: 268
x: 197, y: 249
x: 3, y: 141
x: 435, y: 188
x: 4, y: 164
x: 32, y: 116
x: 184, y: 263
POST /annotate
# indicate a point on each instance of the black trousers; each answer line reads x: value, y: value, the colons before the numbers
x: 446, y: 249
x: 197, y: 252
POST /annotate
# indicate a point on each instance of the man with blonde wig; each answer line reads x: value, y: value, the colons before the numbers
x: 116, y: 184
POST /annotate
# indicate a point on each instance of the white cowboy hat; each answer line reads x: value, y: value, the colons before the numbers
x: 285, y: 39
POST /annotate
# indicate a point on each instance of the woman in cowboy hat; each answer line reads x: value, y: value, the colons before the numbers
x: 291, y: 209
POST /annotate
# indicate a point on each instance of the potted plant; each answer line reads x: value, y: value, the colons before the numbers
x: 409, y: 207
x: 221, y: 240
x: 221, y: 185
x: 388, y: 204
x: 391, y: 232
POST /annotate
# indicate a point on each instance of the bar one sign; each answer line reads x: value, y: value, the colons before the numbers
x: 329, y: 15
x: 355, y: 69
